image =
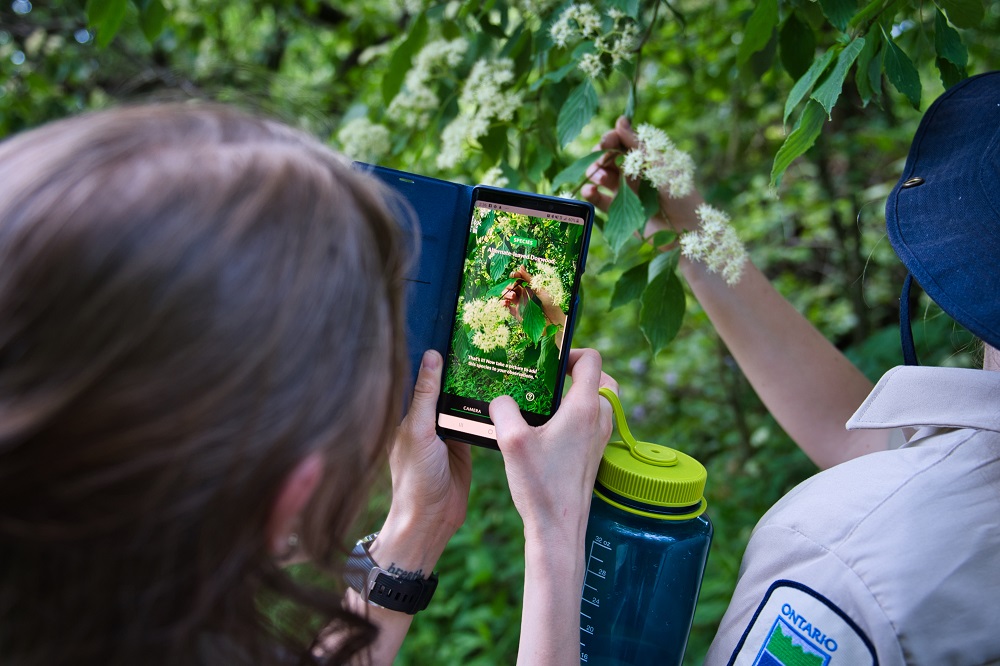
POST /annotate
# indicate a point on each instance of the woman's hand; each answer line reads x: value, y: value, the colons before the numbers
x: 551, y: 471
x: 430, y: 477
x: 551, y: 468
x: 675, y: 214
x: 517, y: 294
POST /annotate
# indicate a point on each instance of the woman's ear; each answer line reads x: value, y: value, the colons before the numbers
x: 295, y: 493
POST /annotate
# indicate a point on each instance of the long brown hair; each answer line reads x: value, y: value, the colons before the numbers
x: 192, y: 301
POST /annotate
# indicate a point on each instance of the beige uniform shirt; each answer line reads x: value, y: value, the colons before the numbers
x: 890, y: 558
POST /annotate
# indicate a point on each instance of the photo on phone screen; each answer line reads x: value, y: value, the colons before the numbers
x: 515, y: 310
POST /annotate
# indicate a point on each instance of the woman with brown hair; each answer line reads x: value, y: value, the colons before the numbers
x: 201, y: 359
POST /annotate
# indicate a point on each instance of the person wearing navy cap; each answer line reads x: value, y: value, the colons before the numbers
x: 888, y: 556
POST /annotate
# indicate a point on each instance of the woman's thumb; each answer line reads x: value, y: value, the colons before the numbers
x: 428, y: 386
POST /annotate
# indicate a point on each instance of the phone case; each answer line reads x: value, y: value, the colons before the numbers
x: 443, y: 211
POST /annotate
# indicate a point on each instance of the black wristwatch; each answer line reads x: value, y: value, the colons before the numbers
x: 381, y: 588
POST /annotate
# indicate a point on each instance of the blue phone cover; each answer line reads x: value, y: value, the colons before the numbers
x: 442, y: 209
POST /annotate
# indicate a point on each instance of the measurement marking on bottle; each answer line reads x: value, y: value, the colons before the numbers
x: 594, y: 567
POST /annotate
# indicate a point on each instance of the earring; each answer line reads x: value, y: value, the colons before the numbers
x: 291, y: 549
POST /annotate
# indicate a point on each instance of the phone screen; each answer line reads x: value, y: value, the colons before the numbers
x: 515, y: 311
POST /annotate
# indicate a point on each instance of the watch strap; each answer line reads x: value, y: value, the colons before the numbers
x: 381, y: 588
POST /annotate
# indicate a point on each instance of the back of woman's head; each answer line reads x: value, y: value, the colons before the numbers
x: 192, y: 301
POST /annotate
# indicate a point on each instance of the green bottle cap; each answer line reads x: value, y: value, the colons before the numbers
x: 649, y: 479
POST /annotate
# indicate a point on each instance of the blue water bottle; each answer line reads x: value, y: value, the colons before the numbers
x: 647, y: 544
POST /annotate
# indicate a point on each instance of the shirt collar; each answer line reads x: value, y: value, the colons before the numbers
x: 916, y: 396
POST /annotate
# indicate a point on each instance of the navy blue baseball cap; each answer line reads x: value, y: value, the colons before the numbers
x: 943, y: 216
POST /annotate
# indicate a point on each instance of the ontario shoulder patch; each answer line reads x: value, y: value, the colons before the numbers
x: 797, y: 626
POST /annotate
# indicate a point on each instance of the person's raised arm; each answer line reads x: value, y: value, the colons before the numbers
x: 806, y: 383
x: 551, y: 471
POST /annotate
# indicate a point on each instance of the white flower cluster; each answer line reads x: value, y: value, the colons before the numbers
x: 416, y: 101
x: 716, y: 244
x: 659, y: 161
x: 494, y: 176
x: 582, y: 21
x: 591, y: 65
x: 485, y: 97
x: 546, y: 278
x: 488, y: 319
x: 490, y: 340
x: 576, y: 22
x: 363, y: 140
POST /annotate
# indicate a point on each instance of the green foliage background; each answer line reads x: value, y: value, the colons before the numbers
x: 780, y: 92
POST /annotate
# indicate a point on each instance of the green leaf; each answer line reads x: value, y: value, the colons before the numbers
x: 99, y: 11
x: 553, y: 77
x: 402, y: 58
x: 491, y: 29
x: 662, y: 310
x: 804, y: 85
x: 533, y: 320
x: 498, y: 266
x: 829, y: 91
x: 579, y: 109
x: 797, y: 43
x: 870, y: 10
x: 486, y: 224
x: 574, y: 172
x: 661, y: 238
x: 106, y: 17
x: 494, y: 142
x: 540, y: 163
x: 549, y: 351
x: 948, y: 43
x: 875, y: 66
x: 496, y: 290
x: 758, y: 30
x: 839, y: 12
x: 462, y: 343
x: 963, y: 13
x: 625, y: 217
x: 950, y: 75
x: 151, y: 19
x: 762, y: 61
x: 862, y: 80
x: 801, y: 139
x: 650, y: 198
x: 665, y: 261
x: 630, y: 285
x: 900, y: 71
